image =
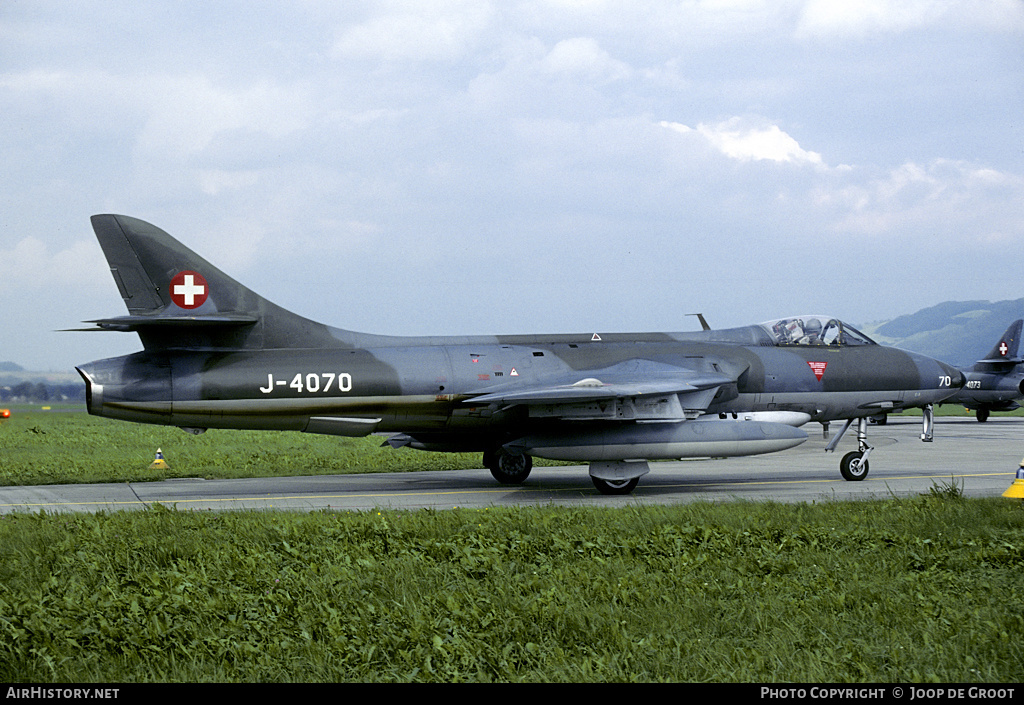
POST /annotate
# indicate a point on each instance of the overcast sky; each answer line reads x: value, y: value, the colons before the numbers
x: 448, y: 167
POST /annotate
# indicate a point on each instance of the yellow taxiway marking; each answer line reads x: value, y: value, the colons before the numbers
x: 171, y: 500
x: 836, y: 479
x: 441, y: 493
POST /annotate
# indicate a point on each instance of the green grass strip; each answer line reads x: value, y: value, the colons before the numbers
x: 903, y: 590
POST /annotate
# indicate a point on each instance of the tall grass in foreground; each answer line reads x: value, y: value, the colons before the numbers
x: 904, y: 590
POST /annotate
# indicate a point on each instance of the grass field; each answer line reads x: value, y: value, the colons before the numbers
x: 907, y: 590
x: 921, y: 589
x: 67, y: 445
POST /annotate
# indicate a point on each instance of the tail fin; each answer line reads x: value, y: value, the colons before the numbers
x: 1006, y: 351
x: 176, y: 299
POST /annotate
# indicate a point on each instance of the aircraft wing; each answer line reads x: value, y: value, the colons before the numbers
x: 634, y: 390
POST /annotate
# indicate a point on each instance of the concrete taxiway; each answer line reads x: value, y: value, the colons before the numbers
x: 978, y: 459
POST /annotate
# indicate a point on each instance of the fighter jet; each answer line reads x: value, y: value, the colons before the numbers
x: 996, y: 382
x: 217, y: 355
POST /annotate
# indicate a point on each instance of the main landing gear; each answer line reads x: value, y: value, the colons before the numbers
x: 609, y: 477
x: 507, y: 467
x: 617, y: 477
x: 854, y: 465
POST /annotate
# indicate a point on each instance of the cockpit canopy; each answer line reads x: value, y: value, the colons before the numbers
x: 814, y: 331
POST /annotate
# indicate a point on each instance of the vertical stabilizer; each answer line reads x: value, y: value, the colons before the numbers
x: 178, y: 300
x: 145, y: 261
x: 1007, y: 350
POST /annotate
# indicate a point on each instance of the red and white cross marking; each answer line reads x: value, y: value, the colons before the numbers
x: 1003, y: 348
x: 189, y: 289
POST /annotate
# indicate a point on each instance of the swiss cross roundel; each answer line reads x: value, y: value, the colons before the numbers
x: 189, y: 289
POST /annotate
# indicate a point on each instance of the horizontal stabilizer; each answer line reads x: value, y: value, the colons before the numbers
x: 135, y: 323
x: 1001, y: 361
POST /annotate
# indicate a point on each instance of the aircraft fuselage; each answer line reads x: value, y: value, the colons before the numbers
x: 426, y: 388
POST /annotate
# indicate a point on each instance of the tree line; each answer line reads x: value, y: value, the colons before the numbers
x: 42, y: 392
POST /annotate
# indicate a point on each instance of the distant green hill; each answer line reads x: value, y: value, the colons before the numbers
x: 957, y: 332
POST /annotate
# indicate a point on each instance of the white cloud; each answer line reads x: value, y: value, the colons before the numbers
x: 185, y: 113
x: 215, y: 181
x: 947, y: 202
x: 584, y: 57
x: 176, y: 114
x: 30, y: 266
x: 858, y: 18
x: 738, y: 141
x: 432, y: 31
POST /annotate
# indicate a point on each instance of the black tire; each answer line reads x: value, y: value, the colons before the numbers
x: 852, y: 467
x: 982, y: 415
x: 615, y: 487
x: 508, y: 468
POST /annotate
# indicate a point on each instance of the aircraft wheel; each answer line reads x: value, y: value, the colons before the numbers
x: 852, y: 467
x: 508, y: 468
x: 982, y: 415
x: 615, y: 486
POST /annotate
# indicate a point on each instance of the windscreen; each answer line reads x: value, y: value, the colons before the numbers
x: 815, y: 330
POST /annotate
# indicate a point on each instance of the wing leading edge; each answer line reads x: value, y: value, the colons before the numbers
x: 630, y: 391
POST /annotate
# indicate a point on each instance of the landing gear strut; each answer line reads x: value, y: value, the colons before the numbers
x: 854, y: 465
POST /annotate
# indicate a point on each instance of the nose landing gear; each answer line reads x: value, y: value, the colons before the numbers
x: 854, y: 465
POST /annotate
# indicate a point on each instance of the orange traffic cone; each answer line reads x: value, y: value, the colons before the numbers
x: 159, y: 463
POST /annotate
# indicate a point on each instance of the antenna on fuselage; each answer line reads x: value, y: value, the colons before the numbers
x: 703, y: 324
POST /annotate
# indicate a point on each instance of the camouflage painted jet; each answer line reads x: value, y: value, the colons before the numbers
x: 217, y: 355
x: 995, y: 383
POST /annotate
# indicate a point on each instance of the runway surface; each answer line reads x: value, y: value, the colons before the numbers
x: 980, y: 459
